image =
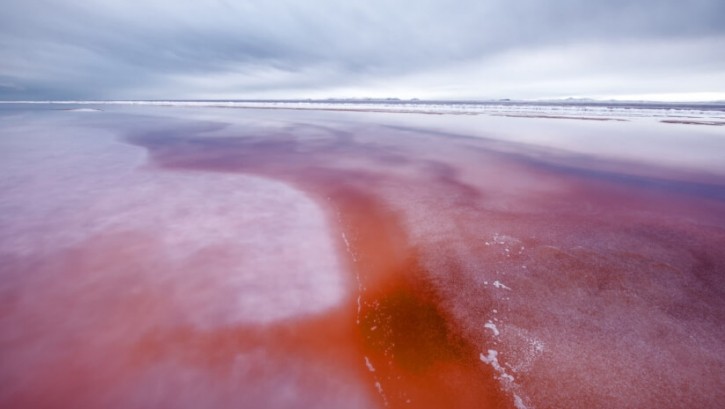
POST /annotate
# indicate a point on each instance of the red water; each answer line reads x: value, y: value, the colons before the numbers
x: 606, y: 288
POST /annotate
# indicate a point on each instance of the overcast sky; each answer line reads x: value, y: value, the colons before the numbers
x: 237, y: 49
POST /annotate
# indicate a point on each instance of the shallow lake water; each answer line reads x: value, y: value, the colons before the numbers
x: 218, y: 257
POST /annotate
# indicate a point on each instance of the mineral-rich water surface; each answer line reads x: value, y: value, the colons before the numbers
x: 219, y: 257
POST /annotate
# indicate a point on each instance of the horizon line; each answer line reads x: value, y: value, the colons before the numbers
x: 373, y: 100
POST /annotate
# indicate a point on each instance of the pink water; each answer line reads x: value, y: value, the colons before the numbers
x: 212, y: 258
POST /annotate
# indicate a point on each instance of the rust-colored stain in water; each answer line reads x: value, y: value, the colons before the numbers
x: 412, y: 353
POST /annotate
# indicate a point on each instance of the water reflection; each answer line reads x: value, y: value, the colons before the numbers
x: 218, y: 258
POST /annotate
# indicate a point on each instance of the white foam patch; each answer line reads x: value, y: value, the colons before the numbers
x: 381, y: 392
x: 492, y: 359
x: 519, y: 403
x: 348, y: 247
x: 499, y: 284
x: 506, y: 380
x: 490, y: 325
x: 369, y: 365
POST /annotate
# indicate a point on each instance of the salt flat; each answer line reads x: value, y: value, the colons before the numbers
x: 219, y: 254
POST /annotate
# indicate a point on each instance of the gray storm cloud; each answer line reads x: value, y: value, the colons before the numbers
x: 254, y: 49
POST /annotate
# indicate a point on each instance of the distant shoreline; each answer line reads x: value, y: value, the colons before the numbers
x: 705, y: 113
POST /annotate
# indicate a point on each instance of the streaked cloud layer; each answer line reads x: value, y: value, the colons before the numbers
x: 164, y: 49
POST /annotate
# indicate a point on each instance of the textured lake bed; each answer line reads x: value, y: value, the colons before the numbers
x: 206, y: 256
